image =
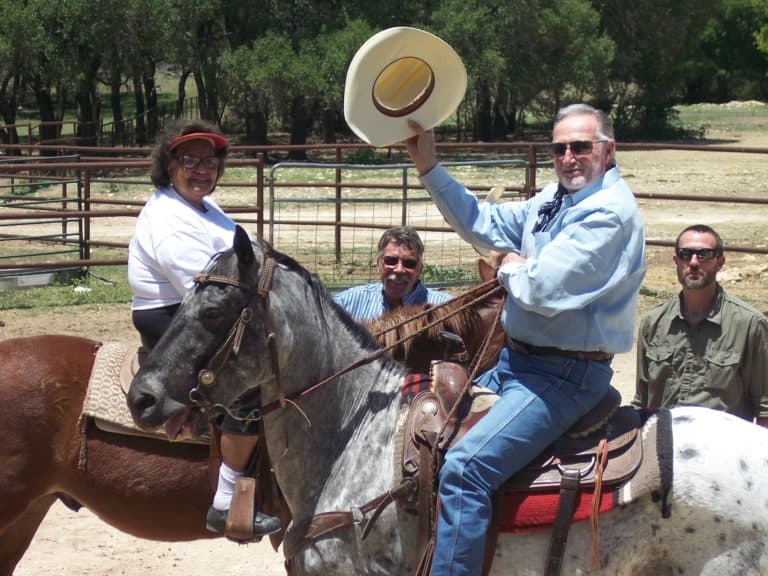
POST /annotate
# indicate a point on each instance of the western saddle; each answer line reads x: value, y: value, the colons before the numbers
x: 602, y: 450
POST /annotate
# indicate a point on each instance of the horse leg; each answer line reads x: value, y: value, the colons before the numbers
x: 16, y: 537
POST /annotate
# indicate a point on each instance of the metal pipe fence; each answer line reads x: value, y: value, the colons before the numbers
x: 77, y: 212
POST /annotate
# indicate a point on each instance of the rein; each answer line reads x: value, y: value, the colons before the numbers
x: 325, y: 522
x: 231, y: 346
x: 381, y: 351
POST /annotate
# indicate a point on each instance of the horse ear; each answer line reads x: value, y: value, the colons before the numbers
x: 487, y: 271
x: 242, y: 247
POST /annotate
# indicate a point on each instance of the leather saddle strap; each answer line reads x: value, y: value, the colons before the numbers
x: 427, y: 498
x: 214, y: 459
x: 569, y: 491
x: 327, y: 522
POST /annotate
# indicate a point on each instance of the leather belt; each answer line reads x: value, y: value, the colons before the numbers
x: 523, y: 348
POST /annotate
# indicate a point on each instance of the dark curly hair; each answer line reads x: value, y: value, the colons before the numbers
x: 161, y: 156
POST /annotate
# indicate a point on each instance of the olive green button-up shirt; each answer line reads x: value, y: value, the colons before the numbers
x: 722, y: 363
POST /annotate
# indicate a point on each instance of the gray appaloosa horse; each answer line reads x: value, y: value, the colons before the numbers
x: 260, y: 322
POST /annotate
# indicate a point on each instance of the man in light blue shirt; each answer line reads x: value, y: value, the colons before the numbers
x: 573, y: 269
x: 400, y: 262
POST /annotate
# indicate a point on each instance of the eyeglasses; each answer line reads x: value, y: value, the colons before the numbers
x: 703, y: 254
x: 409, y: 263
x: 192, y: 162
x: 578, y: 147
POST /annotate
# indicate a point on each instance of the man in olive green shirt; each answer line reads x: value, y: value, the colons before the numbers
x: 704, y: 347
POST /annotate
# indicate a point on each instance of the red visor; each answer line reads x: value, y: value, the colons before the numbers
x: 218, y: 142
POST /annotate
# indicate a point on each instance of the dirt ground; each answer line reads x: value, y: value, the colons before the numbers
x: 79, y: 543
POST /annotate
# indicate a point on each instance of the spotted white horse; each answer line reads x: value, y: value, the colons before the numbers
x: 260, y: 322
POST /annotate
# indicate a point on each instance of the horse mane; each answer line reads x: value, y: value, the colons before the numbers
x: 401, y: 328
x: 319, y: 292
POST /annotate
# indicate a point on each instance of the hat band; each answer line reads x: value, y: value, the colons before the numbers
x: 403, y: 87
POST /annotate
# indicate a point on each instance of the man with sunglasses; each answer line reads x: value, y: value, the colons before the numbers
x: 400, y: 262
x: 573, y: 269
x: 703, y: 347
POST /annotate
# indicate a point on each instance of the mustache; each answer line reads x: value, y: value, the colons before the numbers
x: 394, y: 277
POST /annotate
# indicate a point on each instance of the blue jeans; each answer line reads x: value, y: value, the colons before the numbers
x: 540, y: 398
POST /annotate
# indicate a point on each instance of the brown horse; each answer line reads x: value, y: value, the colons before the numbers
x: 411, y: 334
x: 145, y: 487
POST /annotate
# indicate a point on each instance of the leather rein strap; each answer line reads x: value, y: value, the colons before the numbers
x: 325, y: 522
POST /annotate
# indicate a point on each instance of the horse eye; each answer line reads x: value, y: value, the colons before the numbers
x: 211, y: 313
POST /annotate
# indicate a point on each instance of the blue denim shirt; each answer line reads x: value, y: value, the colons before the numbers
x: 578, y: 288
x: 366, y: 302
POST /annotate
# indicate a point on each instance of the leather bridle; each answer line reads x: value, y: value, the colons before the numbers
x: 206, y: 377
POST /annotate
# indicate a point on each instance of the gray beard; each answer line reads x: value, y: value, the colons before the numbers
x: 698, y: 284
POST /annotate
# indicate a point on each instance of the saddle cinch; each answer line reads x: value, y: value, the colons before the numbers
x: 601, y: 451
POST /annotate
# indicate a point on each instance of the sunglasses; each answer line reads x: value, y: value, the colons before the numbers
x: 578, y: 147
x: 703, y: 254
x: 192, y: 162
x: 409, y: 263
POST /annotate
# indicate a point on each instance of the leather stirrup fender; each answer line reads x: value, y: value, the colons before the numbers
x: 239, y: 526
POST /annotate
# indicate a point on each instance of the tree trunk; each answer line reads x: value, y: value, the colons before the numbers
x: 256, y: 123
x: 299, y: 128
x: 181, y: 94
x: 329, y: 125
x: 499, y: 122
x: 87, y: 102
x: 202, y: 96
x: 141, y: 126
x: 115, y: 84
x: 482, y: 130
x: 150, y: 94
x: 8, y: 103
x: 45, y: 108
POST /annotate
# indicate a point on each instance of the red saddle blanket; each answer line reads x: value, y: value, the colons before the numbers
x: 521, y: 512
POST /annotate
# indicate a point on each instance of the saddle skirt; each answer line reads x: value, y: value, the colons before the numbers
x: 105, y: 403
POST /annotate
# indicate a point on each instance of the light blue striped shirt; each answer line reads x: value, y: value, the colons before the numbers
x: 366, y: 302
x: 578, y: 288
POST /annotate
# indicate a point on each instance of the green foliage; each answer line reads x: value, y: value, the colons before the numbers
x: 276, y: 65
x: 658, y: 41
x: 432, y: 274
x: 732, y: 65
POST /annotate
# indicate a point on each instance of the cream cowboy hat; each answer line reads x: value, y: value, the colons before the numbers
x: 401, y: 73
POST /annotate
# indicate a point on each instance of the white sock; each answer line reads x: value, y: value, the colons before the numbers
x: 226, y: 487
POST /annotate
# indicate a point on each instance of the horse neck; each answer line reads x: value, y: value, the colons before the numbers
x: 332, y: 445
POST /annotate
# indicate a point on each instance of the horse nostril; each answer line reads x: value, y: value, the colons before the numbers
x: 144, y: 403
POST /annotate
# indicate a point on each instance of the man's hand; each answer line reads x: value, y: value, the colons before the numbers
x: 511, y: 257
x: 421, y: 148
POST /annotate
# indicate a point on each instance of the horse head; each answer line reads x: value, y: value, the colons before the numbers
x: 249, y: 333
x: 178, y: 374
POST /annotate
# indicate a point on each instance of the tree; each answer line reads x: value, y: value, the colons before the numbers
x: 12, y: 61
x: 520, y: 57
x: 329, y: 56
x: 260, y: 76
x: 657, y: 41
x: 197, y: 42
x: 732, y: 65
x: 141, y: 36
